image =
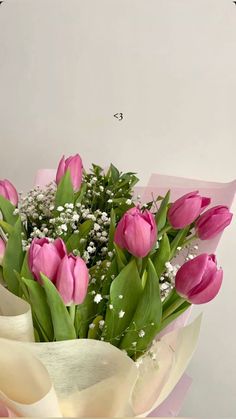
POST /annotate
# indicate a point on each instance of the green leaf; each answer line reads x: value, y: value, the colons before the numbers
x: 85, y: 313
x: 114, y: 173
x: 146, y: 321
x: 161, y: 214
x: 7, y: 210
x: 112, y: 229
x: 40, y: 308
x: 81, y: 193
x: 95, y: 332
x: 65, y: 191
x: 74, y: 240
x: 7, y: 228
x: 62, y: 323
x: 13, y: 258
x: 178, y: 240
x: 25, y: 271
x: 162, y: 255
x: 125, y: 293
x: 120, y: 257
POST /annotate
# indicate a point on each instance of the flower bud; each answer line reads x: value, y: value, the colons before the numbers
x: 136, y: 232
x: 199, y: 280
x: 72, y: 280
x: 75, y: 167
x: 213, y: 221
x: 2, y: 250
x: 45, y: 256
x: 8, y: 191
x: 186, y: 209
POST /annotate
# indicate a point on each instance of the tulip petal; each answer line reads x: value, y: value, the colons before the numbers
x: 213, y: 221
x: 60, y: 170
x: 61, y: 247
x: 47, y: 262
x: 119, y: 233
x: 205, y: 202
x: 186, y: 213
x: 65, y: 279
x: 207, y: 294
x: 81, y: 280
x: 75, y: 166
x: 190, y: 274
x: 12, y: 192
x: 137, y: 235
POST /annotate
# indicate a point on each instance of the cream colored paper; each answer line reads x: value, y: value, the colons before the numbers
x: 84, y: 378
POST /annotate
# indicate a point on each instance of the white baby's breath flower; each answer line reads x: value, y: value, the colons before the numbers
x: 97, y: 298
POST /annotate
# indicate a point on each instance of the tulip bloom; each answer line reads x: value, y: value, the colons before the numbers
x: 75, y: 166
x: 136, y: 232
x: 72, y: 280
x: 45, y: 256
x: 9, y: 192
x: 213, y: 221
x: 199, y: 280
x: 2, y: 250
x: 186, y: 209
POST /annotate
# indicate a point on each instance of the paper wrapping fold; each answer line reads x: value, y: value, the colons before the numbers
x: 84, y: 378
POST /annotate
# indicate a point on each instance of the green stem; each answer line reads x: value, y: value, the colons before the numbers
x: 139, y: 262
x: 189, y: 240
x: 170, y: 310
x: 72, y: 312
x: 164, y: 230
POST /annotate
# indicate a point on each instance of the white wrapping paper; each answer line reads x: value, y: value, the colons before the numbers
x: 84, y: 378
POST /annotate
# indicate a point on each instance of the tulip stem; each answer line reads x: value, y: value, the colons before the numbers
x: 139, y: 262
x: 164, y: 230
x: 170, y: 310
x: 189, y: 240
x: 72, y: 312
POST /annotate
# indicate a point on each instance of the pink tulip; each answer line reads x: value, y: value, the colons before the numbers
x: 72, y: 280
x: 213, y: 221
x: 186, y: 209
x: 45, y: 256
x: 9, y: 192
x: 75, y: 166
x: 136, y: 232
x: 199, y: 280
x: 2, y: 250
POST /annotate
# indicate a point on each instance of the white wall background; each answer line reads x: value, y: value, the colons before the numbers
x: 66, y: 66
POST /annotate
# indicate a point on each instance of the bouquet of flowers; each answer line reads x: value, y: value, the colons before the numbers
x: 92, y: 276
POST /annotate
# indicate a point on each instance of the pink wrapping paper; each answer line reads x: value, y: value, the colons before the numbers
x: 221, y: 193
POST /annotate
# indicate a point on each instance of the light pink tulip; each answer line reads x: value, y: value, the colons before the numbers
x: 199, y: 280
x: 186, y: 209
x: 2, y: 250
x: 75, y: 166
x: 72, y: 280
x: 213, y: 221
x: 45, y: 256
x: 8, y: 191
x: 136, y: 232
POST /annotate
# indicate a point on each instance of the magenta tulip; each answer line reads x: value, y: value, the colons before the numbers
x: 2, y: 250
x: 199, y: 280
x: 75, y: 166
x: 186, y: 209
x: 72, y: 280
x: 45, y: 257
x: 136, y: 232
x: 9, y: 192
x: 213, y: 221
